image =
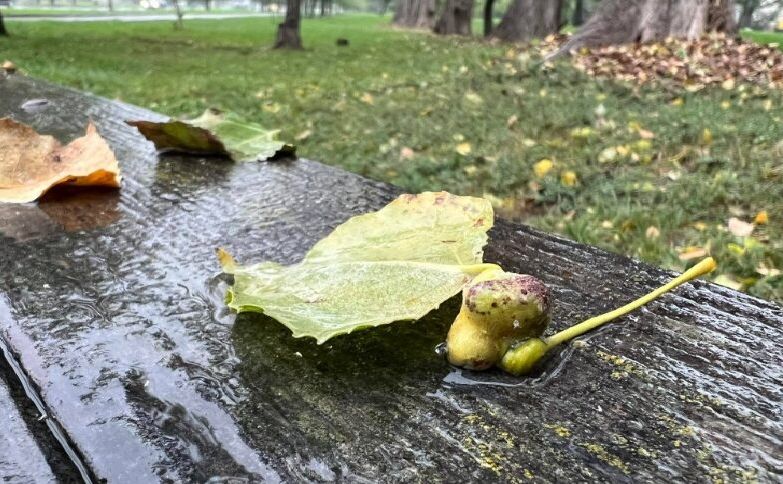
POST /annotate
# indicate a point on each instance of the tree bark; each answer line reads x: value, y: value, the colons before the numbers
x: 579, y: 13
x: 417, y: 14
x: 627, y: 21
x: 3, y: 31
x: 178, y: 24
x: 488, y: 11
x: 456, y: 18
x: 528, y: 19
x: 288, y: 36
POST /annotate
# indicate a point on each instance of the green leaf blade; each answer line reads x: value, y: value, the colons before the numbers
x: 392, y: 265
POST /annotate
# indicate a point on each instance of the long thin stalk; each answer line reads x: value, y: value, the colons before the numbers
x: 703, y: 267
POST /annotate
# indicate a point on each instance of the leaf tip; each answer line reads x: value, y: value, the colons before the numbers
x: 227, y: 261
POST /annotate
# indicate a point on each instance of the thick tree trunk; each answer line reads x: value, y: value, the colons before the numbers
x: 3, y: 31
x: 488, y: 11
x: 579, y: 13
x: 418, y: 14
x: 456, y: 18
x: 746, y: 17
x: 527, y: 19
x: 627, y: 21
x: 288, y: 32
x: 206, y: 5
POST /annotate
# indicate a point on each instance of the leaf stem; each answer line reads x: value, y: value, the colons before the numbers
x: 703, y: 267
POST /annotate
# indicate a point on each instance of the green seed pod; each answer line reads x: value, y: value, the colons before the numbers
x: 498, y: 309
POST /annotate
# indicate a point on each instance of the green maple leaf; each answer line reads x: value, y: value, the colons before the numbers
x: 395, y: 264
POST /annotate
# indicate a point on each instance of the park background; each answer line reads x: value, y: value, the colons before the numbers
x: 662, y: 170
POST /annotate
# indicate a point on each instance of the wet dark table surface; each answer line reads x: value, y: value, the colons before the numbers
x: 111, y: 304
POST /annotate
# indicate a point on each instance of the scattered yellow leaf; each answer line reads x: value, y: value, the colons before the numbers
x: 607, y: 224
x: 725, y: 105
x: 473, y: 98
x: 31, y: 164
x: 511, y: 121
x: 678, y: 101
x: 727, y: 281
x: 407, y: 153
x: 706, y: 136
x: 622, y: 150
x: 700, y: 226
x: 271, y: 107
x: 464, y: 148
x: 768, y: 105
x: 543, y: 167
x: 646, y: 134
x: 652, y: 232
x: 9, y: 67
x: 739, y: 228
x: 607, y: 155
x: 568, y: 178
x: 367, y: 99
x: 303, y: 135
x: 728, y: 84
x: 764, y: 270
x: 761, y: 218
x: 690, y: 253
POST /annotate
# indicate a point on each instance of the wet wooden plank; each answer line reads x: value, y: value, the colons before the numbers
x: 113, y: 304
x: 21, y: 459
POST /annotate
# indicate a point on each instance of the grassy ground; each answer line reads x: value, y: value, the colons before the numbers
x: 428, y: 113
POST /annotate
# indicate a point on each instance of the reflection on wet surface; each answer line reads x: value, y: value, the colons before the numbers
x: 123, y: 328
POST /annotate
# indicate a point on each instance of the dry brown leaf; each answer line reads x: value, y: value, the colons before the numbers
x: 739, y: 228
x: 31, y: 164
x: 690, y: 253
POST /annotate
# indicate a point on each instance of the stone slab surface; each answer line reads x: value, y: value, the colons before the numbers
x: 112, y: 302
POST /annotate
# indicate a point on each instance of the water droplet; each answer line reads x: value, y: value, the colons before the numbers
x: 441, y: 349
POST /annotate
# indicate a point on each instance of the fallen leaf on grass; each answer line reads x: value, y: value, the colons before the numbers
x: 216, y: 133
x: 395, y: 264
x: 543, y: 167
x: 31, y: 164
x: 464, y: 149
x: 690, y: 253
x: 9, y: 67
x: 727, y: 281
x: 761, y: 218
x: 739, y: 228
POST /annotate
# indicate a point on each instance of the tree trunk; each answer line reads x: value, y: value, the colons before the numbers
x: 488, y: 11
x: 528, y: 19
x: 3, y: 31
x: 579, y: 13
x: 178, y: 25
x: 627, y: 21
x: 288, y: 36
x: 206, y: 5
x: 417, y: 14
x: 456, y: 18
x: 746, y: 17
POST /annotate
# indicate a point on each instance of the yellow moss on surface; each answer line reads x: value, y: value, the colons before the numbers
x: 607, y: 457
x: 559, y: 430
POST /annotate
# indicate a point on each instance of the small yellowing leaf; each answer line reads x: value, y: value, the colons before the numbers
x: 367, y: 98
x: 678, y: 101
x: 303, y: 135
x: 473, y: 98
x: 725, y: 105
x: 706, y: 136
x: 543, y: 167
x: 690, y: 253
x: 464, y: 148
x: 511, y: 121
x: 652, y: 232
x: 271, y: 108
x: 761, y: 218
x: 728, y: 84
x: 728, y: 281
x: 764, y: 270
x: 406, y: 153
x: 739, y: 228
x: 568, y: 178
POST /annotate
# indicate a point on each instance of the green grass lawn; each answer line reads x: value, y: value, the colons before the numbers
x: 404, y: 107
